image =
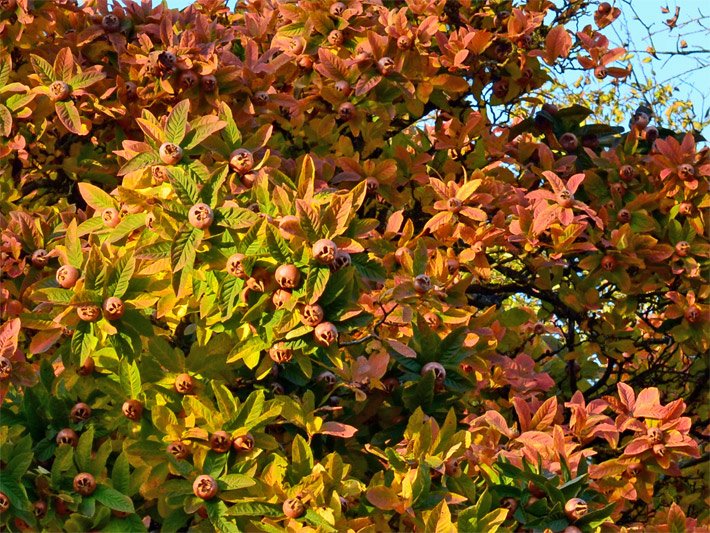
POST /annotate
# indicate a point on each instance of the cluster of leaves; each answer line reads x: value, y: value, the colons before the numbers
x: 277, y: 268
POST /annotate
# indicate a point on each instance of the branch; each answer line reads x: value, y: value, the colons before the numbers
x: 374, y: 334
x: 602, y: 380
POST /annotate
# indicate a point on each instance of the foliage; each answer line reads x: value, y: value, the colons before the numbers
x: 279, y: 268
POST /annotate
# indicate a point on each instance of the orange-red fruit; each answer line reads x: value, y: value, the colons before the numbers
x: 627, y: 172
x: 569, y: 142
x: 280, y: 298
x: 682, y: 248
x: 326, y: 333
x: 572, y: 529
x: 243, y: 443
x: 178, y: 450
x: 288, y: 276
x: 111, y: 23
x: 88, y: 312
x: 604, y: 8
x: 84, y: 484
x: 686, y: 171
x: 4, y: 502
x: 438, y: 370
x: 132, y: 409
x: 280, y: 353
x: 67, y: 276
x: 324, y: 251
x: 5, y: 368
x: 184, y: 384
x: 39, y: 258
x: 111, y: 217
x: 39, y: 509
x: 346, y: 111
x: 312, y: 315
x: 241, y: 160
x: 205, y: 487
x: 385, y: 65
x: 80, y: 412
x: 404, y: 42
x: 200, y: 216
x: 8, y: 5
x: 336, y: 38
x: 608, y: 263
x: 59, y: 91
x: 67, y: 436
x: 422, y: 283
x: 693, y: 314
x: 511, y: 504
x: 220, y: 441
x: 337, y: 9
x: 235, y: 265
x: 686, y: 209
x: 113, y: 308
x: 293, y: 508
x: 623, y: 216
x: 575, y: 508
x: 343, y: 87
x: 170, y: 153
x: 432, y: 319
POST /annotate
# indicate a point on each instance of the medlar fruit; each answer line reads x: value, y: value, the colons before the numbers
x: 113, y: 308
x: 67, y: 276
x: 220, y: 441
x: 287, y: 276
x: 337, y: 9
x: 235, y: 265
x: 438, y: 370
x: 243, y: 443
x: 385, y: 65
x: 88, y: 312
x: 5, y: 368
x: 178, y: 450
x: 111, y: 23
x: 205, y: 487
x: 324, y: 250
x: 59, y: 91
x: 280, y: 298
x: 84, y: 484
x: 575, y: 508
x: 80, y: 412
x: 170, y: 153
x: 326, y: 333
x: 39, y: 258
x: 132, y: 409
x: 184, y: 384
x: 4, y: 502
x: 293, y: 508
x: 200, y: 216
x: 346, y: 111
x: 569, y: 142
x: 111, y: 217
x: 312, y: 315
x: 67, y: 436
x: 422, y: 283
x: 241, y: 160
x: 280, y: 353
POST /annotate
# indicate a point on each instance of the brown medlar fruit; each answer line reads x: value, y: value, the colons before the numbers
x: 326, y: 333
x: 280, y: 353
x: 84, y: 484
x: 569, y: 142
x: 200, y: 216
x: 346, y: 111
x: 235, y: 265
x: 422, y: 283
x: 220, y: 441
x: 80, y: 412
x: 575, y: 508
x: 184, y: 384
x: 438, y: 370
x: 693, y: 314
x: 623, y: 216
x: 287, y: 276
x: 336, y: 38
x: 385, y: 65
x: 59, y: 91
x: 132, y: 409
x: 39, y: 258
x: 88, y: 312
x: 113, y: 308
x: 5, y: 368
x: 170, y: 153
x: 178, y: 450
x: 337, y: 8
x: 324, y: 250
x: 312, y: 315
x: 67, y: 436
x: 293, y: 508
x: 111, y: 217
x: 205, y: 487
x: 280, y: 298
x: 110, y: 23
x: 208, y: 83
x: 241, y: 160
x: 67, y: 276
x: 187, y: 80
x: 243, y: 443
x: 344, y: 88
x: 682, y: 248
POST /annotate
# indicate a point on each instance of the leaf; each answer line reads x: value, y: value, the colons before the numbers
x: 9, y: 333
x: 73, y: 245
x: 43, y: 69
x: 176, y: 124
x: 278, y: 247
x: 316, y: 282
x: 139, y: 162
x: 120, y: 475
x: 202, y: 128
x: 184, y: 184
x: 306, y: 179
x: 95, y: 197
x: 254, y: 509
x: 545, y: 415
x: 231, y: 132
x: 237, y: 481
x: 113, y: 499
x: 183, y: 250
x: 383, y: 498
x: 130, y: 378
x: 64, y: 65
x: 558, y: 43
x: 121, y: 275
x: 338, y: 430
x: 86, y: 79
x: 5, y: 121
x: 82, y: 453
x: 69, y: 116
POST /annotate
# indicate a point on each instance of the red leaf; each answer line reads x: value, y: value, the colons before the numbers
x: 338, y: 430
x: 383, y: 498
x: 9, y: 333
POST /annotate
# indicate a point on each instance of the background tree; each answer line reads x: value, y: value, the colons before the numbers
x: 343, y: 266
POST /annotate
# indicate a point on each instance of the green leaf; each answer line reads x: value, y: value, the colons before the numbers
x: 254, y: 509
x: 86, y: 79
x: 82, y: 341
x: 113, y: 499
x: 140, y: 161
x: 130, y: 379
x: 17, y: 467
x: 121, y: 275
x: 69, y: 116
x: 82, y: 455
x: 121, y: 475
x: 236, y: 481
x: 231, y: 132
x: 278, y: 246
x: 316, y: 282
x: 95, y: 197
x: 64, y: 64
x: 128, y: 225
x: 176, y: 124
x: 43, y: 69
x: 301, y: 458
x: 184, y: 185
x: 5, y: 69
x: 184, y: 247
x: 202, y: 128
x: 73, y: 244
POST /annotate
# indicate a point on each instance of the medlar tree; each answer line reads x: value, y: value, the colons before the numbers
x: 297, y: 264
